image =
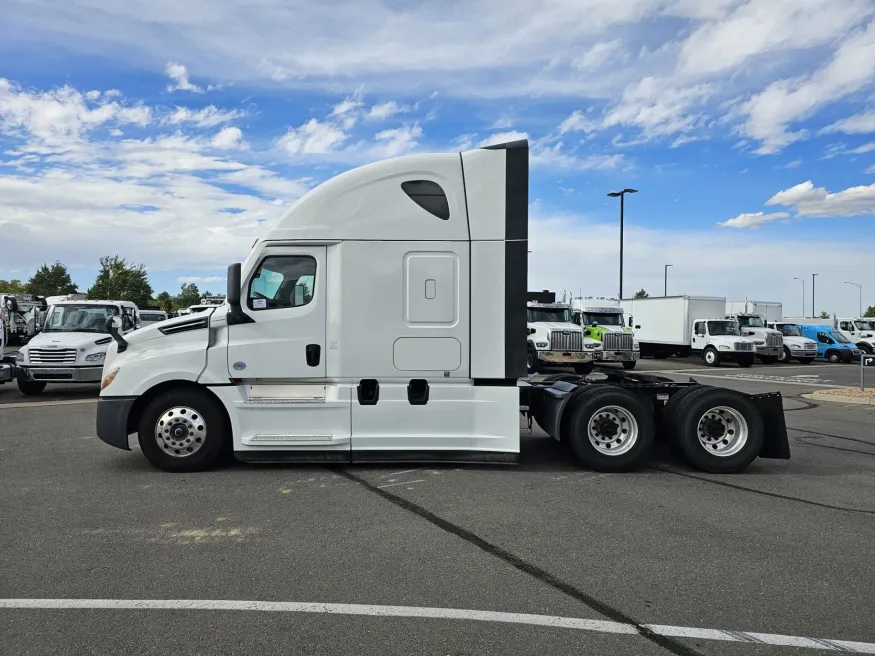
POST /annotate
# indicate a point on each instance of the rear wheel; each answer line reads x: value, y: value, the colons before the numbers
x: 629, y: 364
x: 711, y: 357
x: 183, y: 431
x: 31, y: 387
x: 609, y: 429
x: 717, y: 430
x: 533, y: 365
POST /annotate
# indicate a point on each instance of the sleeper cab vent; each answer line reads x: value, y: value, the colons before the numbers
x: 429, y: 196
x: 194, y: 324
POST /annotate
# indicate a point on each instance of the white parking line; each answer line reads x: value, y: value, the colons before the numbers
x: 580, y: 624
x: 37, y: 404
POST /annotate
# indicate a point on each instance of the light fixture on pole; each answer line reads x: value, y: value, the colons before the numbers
x: 665, y: 288
x: 813, y: 316
x: 622, y: 196
x: 860, y: 288
x: 803, y: 294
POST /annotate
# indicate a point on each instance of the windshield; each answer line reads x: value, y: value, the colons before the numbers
x: 750, y: 322
x: 789, y: 330
x: 722, y: 328
x: 603, y: 318
x: 837, y: 336
x: 560, y: 315
x: 864, y: 325
x: 79, y: 318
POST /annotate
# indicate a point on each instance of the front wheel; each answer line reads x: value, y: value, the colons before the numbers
x: 866, y: 348
x: 532, y: 362
x: 609, y: 429
x: 629, y: 364
x: 31, y: 387
x: 833, y: 357
x: 785, y: 356
x: 183, y: 431
x: 711, y: 357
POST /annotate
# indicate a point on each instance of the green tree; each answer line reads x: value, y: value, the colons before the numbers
x: 188, y: 296
x: 641, y: 294
x: 870, y: 312
x: 52, y: 280
x: 824, y: 315
x: 119, y: 281
x: 164, y: 301
x: 12, y: 287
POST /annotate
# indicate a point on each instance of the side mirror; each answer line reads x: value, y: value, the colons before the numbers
x: 236, y: 315
x: 637, y: 327
x: 531, y: 331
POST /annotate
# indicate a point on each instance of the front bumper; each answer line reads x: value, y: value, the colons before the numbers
x: 112, y: 420
x: 7, y: 373
x: 617, y: 356
x: 565, y: 357
x: 61, y: 374
x: 800, y: 353
x: 770, y: 351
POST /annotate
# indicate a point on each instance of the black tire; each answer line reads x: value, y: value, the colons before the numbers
x: 834, y: 357
x: 43, y: 303
x: 629, y: 364
x: 769, y: 359
x: 745, y: 361
x: 206, y: 413
x: 11, y: 304
x: 31, y: 387
x: 805, y: 360
x: 533, y: 365
x: 865, y: 348
x: 584, y: 369
x: 711, y: 357
x: 785, y: 356
x: 683, y: 418
x: 583, y: 410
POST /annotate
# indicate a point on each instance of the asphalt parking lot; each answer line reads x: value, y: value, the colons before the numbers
x: 540, y: 558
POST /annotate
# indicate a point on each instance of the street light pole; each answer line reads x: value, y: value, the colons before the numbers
x: 665, y: 288
x: 812, y: 294
x: 622, y: 195
x: 860, y: 288
x: 803, y: 294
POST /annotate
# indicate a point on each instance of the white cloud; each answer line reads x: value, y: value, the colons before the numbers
x: 502, y: 123
x: 871, y: 169
x: 179, y: 74
x: 229, y: 137
x: 312, y: 138
x: 578, y: 122
x: 266, y: 182
x: 657, y: 108
x: 206, y: 117
x: 200, y: 279
x: 348, y: 104
x: 502, y: 137
x: 771, y: 112
x: 382, y: 111
x: 395, y: 142
x: 859, y: 124
x: 812, y: 201
x: 861, y: 150
x: 600, y: 54
x: 555, y: 156
x: 752, y: 220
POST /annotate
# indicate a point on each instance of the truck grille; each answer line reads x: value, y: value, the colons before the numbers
x: 617, y: 341
x: 744, y: 346
x: 52, y: 356
x: 774, y: 340
x: 570, y: 342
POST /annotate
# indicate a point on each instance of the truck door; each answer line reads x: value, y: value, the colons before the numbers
x: 699, y: 335
x: 285, y: 296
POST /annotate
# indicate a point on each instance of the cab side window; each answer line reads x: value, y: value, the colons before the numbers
x: 282, y: 281
x: 699, y: 328
x: 823, y: 338
x: 845, y: 326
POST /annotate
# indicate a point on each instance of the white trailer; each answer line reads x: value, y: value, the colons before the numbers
x: 768, y: 310
x: 686, y: 325
x: 383, y: 319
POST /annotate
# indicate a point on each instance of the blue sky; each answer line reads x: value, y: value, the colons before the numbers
x: 174, y: 133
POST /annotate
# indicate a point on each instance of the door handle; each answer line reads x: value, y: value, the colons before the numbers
x: 314, y: 352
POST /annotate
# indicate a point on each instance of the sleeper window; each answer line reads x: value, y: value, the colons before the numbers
x: 282, y: 281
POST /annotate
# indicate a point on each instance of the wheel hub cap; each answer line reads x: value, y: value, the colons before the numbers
x: 722, y: 431
x: 180, y: 432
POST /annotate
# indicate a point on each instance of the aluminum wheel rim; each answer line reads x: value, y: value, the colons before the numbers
x: 180, y: 432
x: 722, y: 431
x: 710, y: 357
x: 612, y: 430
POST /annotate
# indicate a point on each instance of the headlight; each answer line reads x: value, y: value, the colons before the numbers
x: 108, y: 379
x: 795, y: 346
x: 19, y: 357
x: 723, y: 347
x: 541, y: 344
x: 95, y: 357
x: 591, y: 346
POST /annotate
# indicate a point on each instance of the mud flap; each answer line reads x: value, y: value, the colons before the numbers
x: 776, y: 443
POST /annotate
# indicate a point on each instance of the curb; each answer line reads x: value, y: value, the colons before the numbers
x: 820, y: 396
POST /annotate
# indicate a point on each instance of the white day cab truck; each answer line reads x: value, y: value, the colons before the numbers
x: 602, y: 321
x: 382, y: 319
x: 861, y: 331
x: 71, y: 345
x: 752, y: 317
x: 689, y: 325
x: 553, y: 340
x: 796, y: 345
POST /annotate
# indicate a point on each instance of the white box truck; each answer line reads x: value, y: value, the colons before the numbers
x: 383, y: 318
x: 688, y: 325
x: 768, y: 310
x: 753, y: 318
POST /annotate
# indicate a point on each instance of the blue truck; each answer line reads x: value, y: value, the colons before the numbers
x: 831, y: 344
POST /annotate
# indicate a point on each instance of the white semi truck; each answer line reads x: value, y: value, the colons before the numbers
x: 602, y: 322
x: 71, y: 345
x: 689, y: 325
x: 382, y: 319
x: 752, y: 318
x: 861, y: 331
x: 554, y: 340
